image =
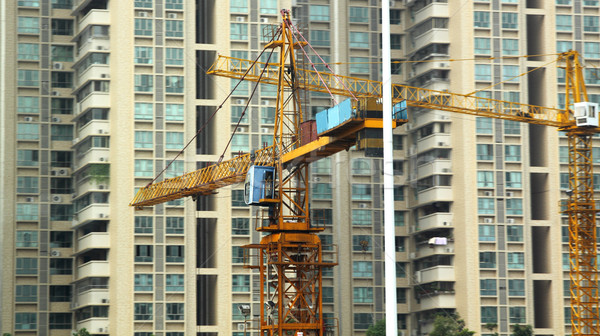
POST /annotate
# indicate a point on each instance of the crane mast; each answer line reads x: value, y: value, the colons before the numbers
x: 289, y: 258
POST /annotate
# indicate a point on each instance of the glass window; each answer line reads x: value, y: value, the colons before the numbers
x: 485, y: 152
x: 240, y: 143
x: 485, y: 206
x: 25, y: 321
x: 174, y: 28
x: 362, y: 294
x: 62, y: 4
x: 62, y: 106
x: 174, y: 4
x: 514, y: 206
x: 510, y: 47
x: 268, y: 6
x: 563, y: 46
x: 143, y: 253
x: 517, y: 315
x: 142, y: 282
x: 237, y: 255
x: 509, y: 21
x: 27, y: 266
x: 61, y: 239
x: 361, y: 166
x: 29, y: 105
x: 143, y: 224
x: 28, y: 25
x: 395, y: 42
x: 481, y: 19
x: 27, y: 212
x: 399, y: 218
x: 398, y: 193
x: 240, y: 226
x: 62, y: 79
x: 484, y: 125
x: 487, y: 259
x: 362, y: 269
x: 485, y: 179
x: 514, y: 233
x: 26, y: 293
x: 395, y: 16
x: 513, y: 180
x: 516, y: 287
x: 482, y: 46
x: 359, y: 40
x: 361, y: 243
x: 61, y: 266
x: 142, y: 311
x: 238, y: 31
x: 174, y: 140
x: 174, y: 112
x: 361, y: 192
x: 143, y: 55
x: 27, y: 158
x: 321, y: 191
x: 174, y: 225
x: 487, y: 233
x: 61, y: 132
x: 591, y: 49
x: 29, y: 3
x: 174, y: 56
x: 238, y: 6
x: 62, y: 293
x: 62, y: 27
x: 359, y: 14
x: 143, y: 139
x: 143, y: 168
x: 487, y: 287
x: 27, y: 184
x: 512, y: 127
x: 145, y: 111
x: 363, y: 321
x: 143, y: 3
x: 319, y: 13
x: 174, y: 253
x: 483, y: 72
x: 322, y: 216
x: 175, y: 283
x: 515, y: 260
x: 489, y: 315
x: 175, y: 169
x: 401, y: 269
x: 267, y: 115
x: 28, y: 78
x: 591, y: 24
x: 320, y: 38
x: 564, y: 23
x: 27, y: 239
x: 240, y: 283
x: 143, y: 27
x: 238, y: 115
x: 144, y: 83
x: 512, y: 153
x: 237, y: 198
x: 174, y: 84
x: 359, y: 65
x: 28, y: 51
x: 361, y: 217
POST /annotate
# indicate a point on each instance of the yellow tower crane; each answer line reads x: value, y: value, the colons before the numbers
x: 290, y: 257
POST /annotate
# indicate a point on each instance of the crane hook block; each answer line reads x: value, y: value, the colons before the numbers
x: 260, y: 185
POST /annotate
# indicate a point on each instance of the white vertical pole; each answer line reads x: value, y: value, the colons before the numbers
x: 391, y: 328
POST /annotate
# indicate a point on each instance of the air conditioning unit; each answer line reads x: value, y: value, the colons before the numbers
x: 488, y: 220
x: 172, y: 16
x: 102, y: 215
x: 265, y: 130
x: 242, y: 129
x: 57, y: 66
x: 266, y: 102
x: 442, y: 144
x: 241, y: 326
x: 240, y: 19
x: 104, y: 75
x: 446, y: 223
x: 443, y: 65
x: 449, y: 250
x: 143, y: 14
x: 363, y: 205
x: 510, y: 220
x: 103, y: 159
x: 29, y: 119
x: 56, y: 198
x: 101, y: 131
x: 101, y: 186
x: 446, y: 170
x: 62, y: 171
x: 488, y: 193
x: 104, y: 300
x: 56, y: 119
x: 99, y: 48
x: 264, y: 20
x: 29, y: 199
x: 509, y: 194
x: 240, y: 101
x: 56, y: 93
x: 413, y: 255
x: 55, y: 253
x: 316, y: 178
x: 101, y: 330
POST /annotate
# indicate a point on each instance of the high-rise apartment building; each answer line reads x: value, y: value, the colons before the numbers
x: 100, y: 95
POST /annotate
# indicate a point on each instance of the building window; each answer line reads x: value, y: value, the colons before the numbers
x: 362, y: 269
x: 485, y: 152
x: 174, y: 28
x: 395, y: 42
x: 361, y: 217
x: 509, y: 21
x: 174, y: 84
x: 142, y: 282
x: 563, y: 46
x: 485, y: 179
x: 28, y: 3
x: 481, y: 19
x: 268, y: 6
x: 321, y: 191
x: 487, y: 233
x: 514, y: 233
x: 359, y: 40
x: 61, y: 53
x: 174, y: 140
x: 359, y: 14
x: 401, y: 269
x: 61, y: 266
x: 61, y: 132
x: 27, y: 158
x: 485, y: 206
x: 144, y: 83
x: 174, y: 282
x: 62, y: 106
x: 320, y: 38
x: 143, y: 253
x: 145, y: 111
x: 27, y: 184
x: 174, y: 225
x: 483, y: 46
x: 361, y: 243
x: 28, y: 105
x: 27, y: 266
x: 26, y: 293
x: 62, y: 27
x: 240, y: 283
x: 60, y: 293
x: 60, y: 320
x: 142, y: 3
x: 510, y: 73
x: 515, y: 260
x: 483, y: 72
x: 143, y: 224
x: 143, y: 140
x: 174, y: 253
x: 143, y: 55
x: 361, y: 166
x: 174, y: 56
x: 25, y: 321
x: 399, y: 218
x: 361, y: 192
x: 27, y: 212
x: 591, y: 24
x: 489, y: 315
x: 591, y: 50
x: 237, y: 198
x: 516, y: 287
x: 363, y: 294
x: 240, y: 226
x: 237, y: 255
x: 28, y: 78
x: 174, y: 4
x: 238, y: 6
x: 175, y: 311
x: 28, y: 51
x: 510, y: 47
x: 142, y: 311
x: 175, y: 169
x: 488, y: 287
x: 487, y: 259
x: 564, y: 23
x: 174, y: 112
x: 319, y: 13
x: 514, y: 206
x: 28, y: 25
x: 322, y: 216
x: 238, y: 31
x: 398, y: 193
x: 363, y: 321
x: 61, y: 212
x: 517, y: 315
x: 143, y: 168
x: 62, y: 4
x: 513, y: 179
x: 512, y: 127
x: 27, y: 239
x: 143, y: 27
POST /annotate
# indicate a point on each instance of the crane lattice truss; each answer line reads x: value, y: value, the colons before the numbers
x: 290, y: 258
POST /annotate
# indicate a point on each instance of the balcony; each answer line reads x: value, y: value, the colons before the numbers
x: 426, y: 250
x: 90, y: 297
x: 435, y: 194
x: 433, y: 141
x: 421, y: 68
x: 94, y: 325
x: 434, y: 221
x: 436, y: 273
x: 435, y: 35
x: 94, y: 127
x: 94, y: 155
x: 92, y: 212
x: 94, y: 99
x: 437, y: 85
x: 96, y: 71
x: 424, y: 117
x: 93, y: 44
x: 94, y: 17
x: 435, y: 9
x: 435, y: 167
x: 96, y: 268
x: 441, y: 299
x: 93, y: 240
x: 89, y: 185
